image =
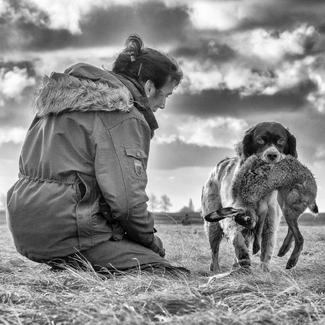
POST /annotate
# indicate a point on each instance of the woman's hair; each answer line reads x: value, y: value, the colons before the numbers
x: 142, y: 64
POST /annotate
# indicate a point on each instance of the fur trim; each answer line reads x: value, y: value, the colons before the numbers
x: 69, y: 93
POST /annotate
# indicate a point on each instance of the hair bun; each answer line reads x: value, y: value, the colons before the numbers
x: 134, y: 45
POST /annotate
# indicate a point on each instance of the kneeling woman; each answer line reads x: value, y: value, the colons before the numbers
x: 82, y: 169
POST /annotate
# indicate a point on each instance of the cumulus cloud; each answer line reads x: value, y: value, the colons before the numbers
x: 198, y: 77
x: 3, y: 7
x: 214, y: 15
x: 316, y: 70
x: 271, y: 46
x: 254, y: 62
x: 15, y: 135
x: 247, y: 14
x: 13, y: 83
x: 57, y: 14
x: 17, y: 84
x: 217, y: 132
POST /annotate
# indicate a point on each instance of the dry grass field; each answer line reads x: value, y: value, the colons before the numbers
x: 32, y: 294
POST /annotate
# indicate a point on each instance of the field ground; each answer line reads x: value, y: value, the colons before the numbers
x: 32, y: 294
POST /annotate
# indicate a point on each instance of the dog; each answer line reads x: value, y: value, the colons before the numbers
x: 224, y: 215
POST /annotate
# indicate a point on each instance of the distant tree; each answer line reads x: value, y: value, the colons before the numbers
x: 189, y: 208
x: 191, y: 205
x: 185, y: 210
x: 153, y: 202
x: 165, y: 203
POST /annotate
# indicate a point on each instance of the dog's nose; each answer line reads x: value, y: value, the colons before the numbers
x: 272, y: 156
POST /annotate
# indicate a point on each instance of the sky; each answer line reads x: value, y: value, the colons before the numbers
x: 244, y: 62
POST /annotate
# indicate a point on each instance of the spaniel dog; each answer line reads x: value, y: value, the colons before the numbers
x: 270, y: 141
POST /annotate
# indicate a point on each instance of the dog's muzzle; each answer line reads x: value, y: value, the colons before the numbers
x: 271, y: 155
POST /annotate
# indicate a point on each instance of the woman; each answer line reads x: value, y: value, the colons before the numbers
x: 82, y: 169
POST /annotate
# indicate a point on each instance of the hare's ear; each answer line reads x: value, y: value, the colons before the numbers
x: 222, y: 214
x: 291, y: 146
x: 229, y: 212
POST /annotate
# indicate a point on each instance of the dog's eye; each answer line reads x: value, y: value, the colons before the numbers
x: 281, y: 141
x: 259, y: 140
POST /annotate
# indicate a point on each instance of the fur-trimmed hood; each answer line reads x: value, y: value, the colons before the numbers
x: 65, y: 93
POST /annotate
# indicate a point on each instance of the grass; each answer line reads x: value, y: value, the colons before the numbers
x: 32, y: 294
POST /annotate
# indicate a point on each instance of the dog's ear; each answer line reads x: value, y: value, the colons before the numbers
x: 291, y: 147
x: 247, y: 145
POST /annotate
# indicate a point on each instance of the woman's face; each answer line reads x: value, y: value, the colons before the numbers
x: 157, y: 98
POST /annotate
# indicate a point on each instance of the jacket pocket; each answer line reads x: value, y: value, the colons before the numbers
x: 137, y: 161
x: 86, y: 200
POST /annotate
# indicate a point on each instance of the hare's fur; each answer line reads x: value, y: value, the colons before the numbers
x: 297, y: 190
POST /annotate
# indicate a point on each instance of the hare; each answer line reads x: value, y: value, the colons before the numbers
x: 297, y: 190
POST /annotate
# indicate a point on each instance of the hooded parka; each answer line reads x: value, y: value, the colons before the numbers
x: 82, y: 168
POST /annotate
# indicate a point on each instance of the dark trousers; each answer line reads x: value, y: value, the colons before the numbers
x: 116, y: 257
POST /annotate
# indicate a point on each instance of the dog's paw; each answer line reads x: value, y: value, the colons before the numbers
x: 244, y: 270
x: 244, y: 262
x: 265, y: 267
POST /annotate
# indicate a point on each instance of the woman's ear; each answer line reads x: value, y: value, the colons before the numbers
x: 149, y: 88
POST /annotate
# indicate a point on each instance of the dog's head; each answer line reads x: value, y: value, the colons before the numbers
x: 271, y: 141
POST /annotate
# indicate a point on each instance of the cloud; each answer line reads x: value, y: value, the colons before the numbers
x: 214, y: 15
x: 50, y: 25
x: 234, y: 15
x: 260, y: 62
x: 17, y: 83
x: 15, y: 135
x: 62, y: 14
x: 217, y: 132
x: 14, y: 82
x: 271, y: 46
x: 178, y: 154
x: 316, y: 70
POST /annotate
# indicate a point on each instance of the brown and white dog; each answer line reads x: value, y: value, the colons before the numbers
x: 271, y: 141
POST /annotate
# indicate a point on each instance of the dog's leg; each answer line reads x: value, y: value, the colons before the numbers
x: 291, y: 215
x: 261, y: 212
x: 248, y: 236
x: 215, y: 235
x: 286, y: 243
x: 241, y: 250
x: 269, y: 233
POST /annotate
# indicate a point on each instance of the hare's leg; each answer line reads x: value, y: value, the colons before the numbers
x: 291, y: 215
x: 285, y: 247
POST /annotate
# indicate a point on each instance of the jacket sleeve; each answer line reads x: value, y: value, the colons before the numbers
x: 121, y: 154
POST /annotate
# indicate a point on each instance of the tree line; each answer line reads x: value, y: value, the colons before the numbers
x: 164, y: 204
